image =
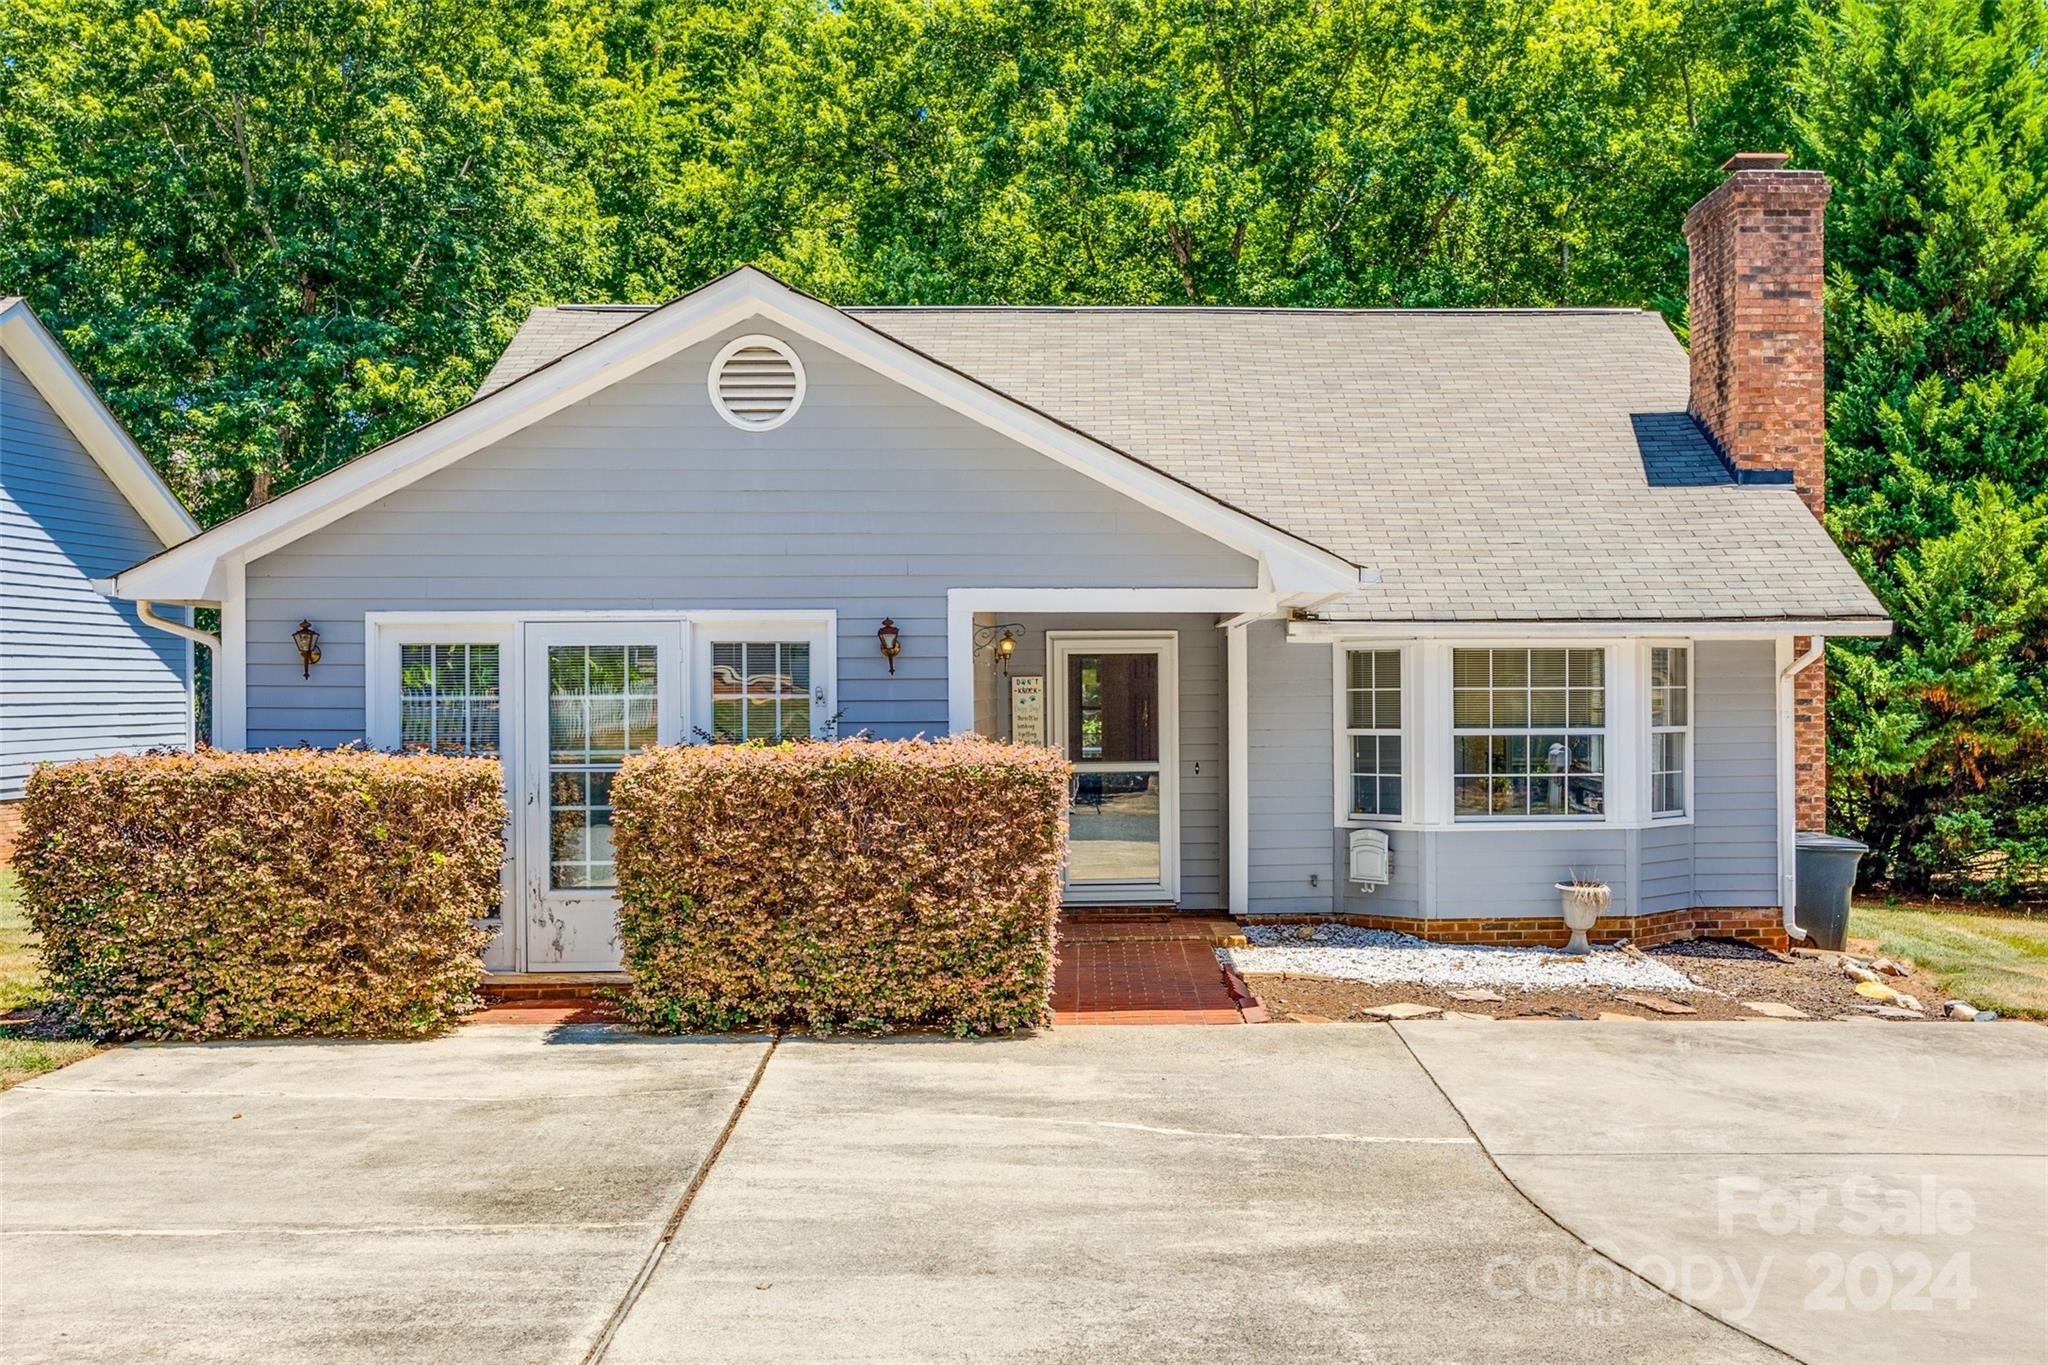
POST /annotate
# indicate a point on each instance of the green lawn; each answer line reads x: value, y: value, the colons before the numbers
x: 1996, y: 962
x: 21, y: 981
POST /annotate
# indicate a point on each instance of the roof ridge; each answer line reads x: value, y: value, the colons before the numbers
x: 1284, y: 310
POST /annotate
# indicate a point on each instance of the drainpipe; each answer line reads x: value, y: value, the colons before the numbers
x: 147, y: 611
x: 1787, y: 847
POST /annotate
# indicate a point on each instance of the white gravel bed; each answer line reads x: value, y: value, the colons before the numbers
x: 1382, y: 957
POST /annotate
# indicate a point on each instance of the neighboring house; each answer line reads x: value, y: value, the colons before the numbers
x: 79, y: 674
x: 1473, y: 579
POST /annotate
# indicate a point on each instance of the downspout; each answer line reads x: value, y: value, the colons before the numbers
x: 147, y: 611
x: 1787, y: 848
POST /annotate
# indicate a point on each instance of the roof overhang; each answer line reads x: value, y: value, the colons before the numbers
x: 72, y: 397
x: 1762, y: 628
x: 194, y: 570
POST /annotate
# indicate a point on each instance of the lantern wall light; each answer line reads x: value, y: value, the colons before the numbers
x: 308, y: 641
x: 999, y: 640
x: 891, y: 640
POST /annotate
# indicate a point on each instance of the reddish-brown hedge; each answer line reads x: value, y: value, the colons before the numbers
x: 852, y: 885
x: 232, y: 895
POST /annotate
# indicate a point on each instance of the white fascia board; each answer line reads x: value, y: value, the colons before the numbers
x: 49, y: 367
x: 747, y: 294
x: 1328, y: 632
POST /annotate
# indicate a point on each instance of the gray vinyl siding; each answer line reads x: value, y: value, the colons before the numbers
x: 79, y: 674
x: 872, y: 501
x: 1292, y: 865
x: 1201, y: 731
x: 1735, y: 823
x: 1664, y: 870
x: 1509, y: 874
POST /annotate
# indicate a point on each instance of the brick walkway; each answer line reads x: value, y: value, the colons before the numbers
x: 1117, y: 974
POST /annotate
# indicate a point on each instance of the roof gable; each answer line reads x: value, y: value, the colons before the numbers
x: 1293, y: 564
x: 43, y: 360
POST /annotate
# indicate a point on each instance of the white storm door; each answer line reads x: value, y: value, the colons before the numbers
x: 1115, y: 713
x: 595, y: 692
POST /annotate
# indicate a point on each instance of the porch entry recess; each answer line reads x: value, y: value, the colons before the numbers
x: 1115, y: 709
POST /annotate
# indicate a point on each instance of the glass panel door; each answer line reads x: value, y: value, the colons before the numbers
x: 599, y: 693
x: 1115, y: 699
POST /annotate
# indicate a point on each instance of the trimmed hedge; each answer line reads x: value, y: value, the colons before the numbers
x: 251, y: 895
x: 856, y: 885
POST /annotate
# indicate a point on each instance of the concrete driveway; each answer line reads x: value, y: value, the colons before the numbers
x: 520, y: 1193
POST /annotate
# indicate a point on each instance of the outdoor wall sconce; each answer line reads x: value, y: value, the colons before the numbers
x: 999, y: 641
x: 891, y: 640
x: 308, y: 641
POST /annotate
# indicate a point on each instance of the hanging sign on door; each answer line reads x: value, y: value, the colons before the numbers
x: 1027, y: 710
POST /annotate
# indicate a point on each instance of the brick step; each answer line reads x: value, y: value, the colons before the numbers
x: 1214, y: 930
x: 552, y: 987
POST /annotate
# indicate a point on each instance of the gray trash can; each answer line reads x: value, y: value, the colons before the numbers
x: 1825, y: 865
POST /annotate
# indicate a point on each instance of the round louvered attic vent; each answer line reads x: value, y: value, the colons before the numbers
x: 757, y: 383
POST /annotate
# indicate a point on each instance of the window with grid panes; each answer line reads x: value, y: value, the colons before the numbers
x: 1670, y: 727
x: 1372, y: 728
x: 760, y: 690
x: 1529, y: 733
x: 448, y: 698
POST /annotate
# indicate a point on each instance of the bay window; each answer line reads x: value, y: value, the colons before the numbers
x: 1529, y: 733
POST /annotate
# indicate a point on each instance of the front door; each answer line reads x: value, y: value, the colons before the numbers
x: 595, y: 692
x: 1114, y: 712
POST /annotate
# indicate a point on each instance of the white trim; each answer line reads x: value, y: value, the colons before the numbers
x: 963, y: 603
x: 231, y: 665
x: 1294, y: 564
x: 1059, y: 644
x: 754, y: 341
x: 1237, y: 777
x: 1550, y: 632
x: 49, y: 368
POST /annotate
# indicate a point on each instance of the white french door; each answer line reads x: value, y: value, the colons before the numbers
x: 1115, y: 712
x: 594, y: 693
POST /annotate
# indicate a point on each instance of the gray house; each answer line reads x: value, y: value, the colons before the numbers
x: 1397, y: 616
x: 79, y: 674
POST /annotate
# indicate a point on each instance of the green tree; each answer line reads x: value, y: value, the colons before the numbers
x: 278, y: 233
x: 1931, y: 117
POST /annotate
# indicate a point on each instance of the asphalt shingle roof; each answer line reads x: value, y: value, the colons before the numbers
x: 1492, y: 465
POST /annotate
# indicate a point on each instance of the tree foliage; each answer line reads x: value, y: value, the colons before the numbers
x: 277, y: 232
x: 1931, y: 117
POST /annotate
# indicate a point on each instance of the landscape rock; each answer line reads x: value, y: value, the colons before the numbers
x: 1772, y: 1009
x: 1890, y: 968
x: 1478, y: 995
x: 1859, y: 973
x: 1402, y: 1010
x: 1659, y: 1004
x: 1961, y: 1009
x: 1304, y: 931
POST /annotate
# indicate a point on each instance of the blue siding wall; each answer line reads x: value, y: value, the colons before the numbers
x: 79, y: 675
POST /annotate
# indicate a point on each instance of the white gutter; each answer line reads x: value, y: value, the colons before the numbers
x: 1788, y: 778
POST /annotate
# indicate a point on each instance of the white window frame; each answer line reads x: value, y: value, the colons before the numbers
x: 1411, y: 765
x: 1061, y: 645
x: 1606, y: 730
x: 386, y: 635
x: 1650, y: 731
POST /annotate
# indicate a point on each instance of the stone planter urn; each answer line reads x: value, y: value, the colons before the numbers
x: 1583, y: 902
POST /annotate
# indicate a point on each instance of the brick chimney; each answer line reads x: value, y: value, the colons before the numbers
x: 1757, y: 365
